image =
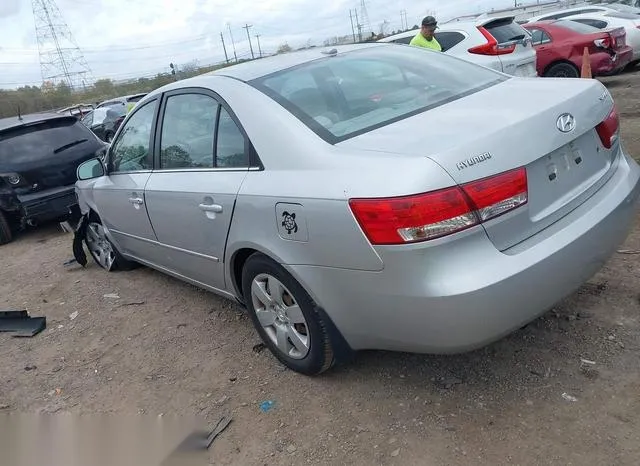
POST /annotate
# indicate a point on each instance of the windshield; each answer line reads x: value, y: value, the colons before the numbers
x: 580, y: 28
x: 352, y: 93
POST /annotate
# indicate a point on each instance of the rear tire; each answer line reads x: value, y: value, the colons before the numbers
x: 104, y: 253
x: 286, y: 317
x: 562, y: 70
x: 5, y: 229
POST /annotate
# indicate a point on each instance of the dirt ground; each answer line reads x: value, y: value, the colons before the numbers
x: 163, y: 347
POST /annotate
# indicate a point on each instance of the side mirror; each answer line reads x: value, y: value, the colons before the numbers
x: 90, y: 169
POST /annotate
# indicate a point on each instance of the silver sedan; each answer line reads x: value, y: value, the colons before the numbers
x: 367, y: 197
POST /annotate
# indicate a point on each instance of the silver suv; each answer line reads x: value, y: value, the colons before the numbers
x: 497, y: 43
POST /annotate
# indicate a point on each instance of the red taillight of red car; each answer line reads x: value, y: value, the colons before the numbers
x: 491, y: 47
x: 609, y: 128
x: 605, y: 43
x: 422, y: 217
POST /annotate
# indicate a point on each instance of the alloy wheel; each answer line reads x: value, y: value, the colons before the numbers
x: 280, y: 316
x: 99, y: 246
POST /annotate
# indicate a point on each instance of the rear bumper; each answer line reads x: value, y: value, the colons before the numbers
x: 603, y: 64
x: 47, y: 205
x: 443, y: 299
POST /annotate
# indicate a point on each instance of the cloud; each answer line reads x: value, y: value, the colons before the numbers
x: 131, y: 38
x: 9, y: 8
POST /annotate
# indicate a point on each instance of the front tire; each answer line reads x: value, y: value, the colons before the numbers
x: 5, y: 229
x: 286, y: 317
x: 104, y: 253
x: 562, y: 70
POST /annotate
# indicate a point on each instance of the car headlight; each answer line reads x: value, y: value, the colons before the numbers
x: 13, y: 179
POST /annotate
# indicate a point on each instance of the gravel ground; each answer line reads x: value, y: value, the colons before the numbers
x: 162, y: 346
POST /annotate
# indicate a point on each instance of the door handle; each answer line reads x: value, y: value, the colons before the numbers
x: 215, y: 208
x: 136, y: 201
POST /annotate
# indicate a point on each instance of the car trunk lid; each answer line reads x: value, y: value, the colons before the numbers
x: 507, y: 126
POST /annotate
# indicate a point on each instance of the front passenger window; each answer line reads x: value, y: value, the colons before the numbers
x: 131, y: 152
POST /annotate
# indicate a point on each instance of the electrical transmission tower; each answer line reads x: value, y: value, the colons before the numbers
x: 60, y: 57
x: 364, y: 19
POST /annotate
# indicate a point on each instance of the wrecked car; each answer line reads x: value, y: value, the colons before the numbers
x: 39, y: 155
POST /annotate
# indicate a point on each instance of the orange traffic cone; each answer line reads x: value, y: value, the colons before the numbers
x: 586, y: 64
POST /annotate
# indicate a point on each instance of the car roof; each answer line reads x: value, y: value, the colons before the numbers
x: 30, y: 119
x: 254, y: 69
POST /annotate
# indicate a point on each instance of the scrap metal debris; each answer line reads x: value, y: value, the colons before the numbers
x: 21, y: 324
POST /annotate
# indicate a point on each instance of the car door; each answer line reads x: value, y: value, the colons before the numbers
x: 542, y: 44
x: 119, y: 196
x: 202, y: 159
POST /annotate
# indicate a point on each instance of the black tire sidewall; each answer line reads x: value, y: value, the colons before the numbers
x: 315, y: 361
x: 5, y: 229
x: 553, y: 70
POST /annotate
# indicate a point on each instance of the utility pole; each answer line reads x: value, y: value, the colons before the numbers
x: 235, y: 56
x: 224, y: 47
x: 353, y: 31
x: 259, y: 48
x: 359, y: 26
x: 247, y: 26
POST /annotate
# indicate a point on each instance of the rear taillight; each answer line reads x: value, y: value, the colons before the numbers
x: 608, y: 129
x: 491, y: 47
x: 409, y: 219
x: 605, y: 43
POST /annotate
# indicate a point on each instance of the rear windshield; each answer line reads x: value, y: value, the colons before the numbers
x: 580, y: 28
x: 505, y: 30
x: 355, y: 92
x: 33, y: 142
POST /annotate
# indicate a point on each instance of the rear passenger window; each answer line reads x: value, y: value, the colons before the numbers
x: 188, y: 130
x: 230, y: 143
x: 449, y: 39
x: 403, y: 40
x: 539, y: 37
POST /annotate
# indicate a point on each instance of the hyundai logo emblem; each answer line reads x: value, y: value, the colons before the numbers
x: 566, y: 123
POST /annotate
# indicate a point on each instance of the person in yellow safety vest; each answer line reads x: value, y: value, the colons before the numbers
x: 425, y: 37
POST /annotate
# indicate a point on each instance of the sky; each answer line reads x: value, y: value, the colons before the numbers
x: 123, y: 39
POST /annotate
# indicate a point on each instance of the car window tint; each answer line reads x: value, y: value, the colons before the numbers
x: 449, y: 39
x: 538, y: 37
x: 230, y: 143
x: 188, y: 130
x: 45, y: 140
x: 131, y: 151
x: 403, y: 40
x: 592, y: 22
x: 505, y: 30
x: 360, y: 91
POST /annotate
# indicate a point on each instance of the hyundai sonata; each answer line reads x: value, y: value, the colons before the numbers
x: 367, y: 197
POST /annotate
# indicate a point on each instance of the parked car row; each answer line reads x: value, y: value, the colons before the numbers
x: 550, y: 45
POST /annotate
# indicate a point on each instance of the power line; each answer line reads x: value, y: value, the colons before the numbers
x: 232, y: 43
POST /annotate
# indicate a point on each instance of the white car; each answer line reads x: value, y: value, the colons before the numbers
x: 567, y: 12
x: 615, y: 19
x: 497, y: 43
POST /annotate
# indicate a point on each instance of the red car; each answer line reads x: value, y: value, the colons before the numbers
x: 560, y: 46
